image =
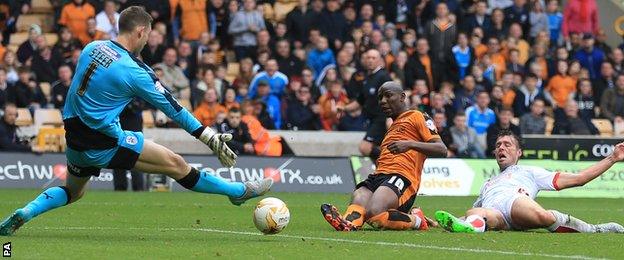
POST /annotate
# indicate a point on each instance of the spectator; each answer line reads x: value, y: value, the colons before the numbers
x: 210, y: 81
x: 617, y: 58
x: 590, y: 57
x: 264, y: 143
x: 264, y: 42
x: 320, y: 57
x: 612, y: 101
x: 299, y: 21
x: 398, y: 67
x: 480, y: 18
x: 45, y: 64
x: 479, y: 117
x: 467, y: 95
x: 509, y: 94
x: 391, y: 36
x: 514, y: 65
x: 526, y: 95
x: 496, y: 96
x: 580, y: 16
x: 480, y: 81
x: 219, y: 19
x: 208, y: 110
x: 93, y: 34
x: 288, y: 64
x: 193, y: 18
x: 438, y: 105
x: 329, y: 104
x: 465, y: 140
x: 272, y: 103
x: 333, y: 24
x: 464, y: 56
x: 229, y: 99
x: 26, y: 93
x: 66, y: 44
x: 538, y: 20
x: 173, y: 75
x: 443, y: 32
x: 443, y: 129
x: 8, y: 137
x: 605, y: 81
x: 555, y: 21
x: 420, y: 66
x: 108, y: 19
x: 61, y: 86
x: 11, y: 64
x: 75, y: 16
x: 499, y: 25
x: 260, y: 112
x: 500, y: 4
x: 4, y: 87
x: 534, y: 123
x: 568, y: 122
x: 277, y: 80
x: 516, y: 35
x: 241, y: 142
x: 245, y: 74
x: 518, y: 13
x: 503, y: 123
x: 154, y: 50
x: 561, y: 53
x: 561, y: 87
x: 497, y: 58
x: 26, y: 50
x: 186, y: 61
x: 585, y: 99
x: 243, y: 27
x: 302, y: 113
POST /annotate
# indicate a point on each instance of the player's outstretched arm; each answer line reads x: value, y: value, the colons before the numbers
x: 433, y: 148
x: 569, y: 180
x: 147, y: 87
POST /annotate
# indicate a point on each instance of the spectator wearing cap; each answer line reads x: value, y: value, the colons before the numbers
x: 75, y: 16
x: 26, y: 50
x: 208, y: 110
x: 590, y: 57
x: 243, y: 27
x: 108, y: 19
x: 273, y: 77
x: 272, y: 103
x: 580, y: 16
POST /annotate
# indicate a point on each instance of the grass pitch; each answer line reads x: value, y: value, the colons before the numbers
x: 191, y: 225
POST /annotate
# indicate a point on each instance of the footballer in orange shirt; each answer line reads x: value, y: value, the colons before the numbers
x: 385, y: 198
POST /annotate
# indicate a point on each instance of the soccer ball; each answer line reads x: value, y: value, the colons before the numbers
x: 271, y: 215
x: 477, y: 222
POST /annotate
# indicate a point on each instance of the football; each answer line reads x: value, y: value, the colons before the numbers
x: 271, y: 215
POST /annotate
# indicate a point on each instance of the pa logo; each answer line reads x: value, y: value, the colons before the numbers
x: 6, y: 249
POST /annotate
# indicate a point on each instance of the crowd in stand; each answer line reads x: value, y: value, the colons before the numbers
x: 473, y: 65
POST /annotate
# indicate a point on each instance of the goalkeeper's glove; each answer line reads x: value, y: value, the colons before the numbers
x: 217, y: 144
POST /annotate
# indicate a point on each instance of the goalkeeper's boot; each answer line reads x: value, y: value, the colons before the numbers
x: 13, y: 222
x: 609, y: 228
x: 453, y: 224
x: 253, y: 189
x: 333, y: 217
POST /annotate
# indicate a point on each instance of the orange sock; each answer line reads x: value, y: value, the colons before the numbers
x: 355, y: 214
x: 395, y: 220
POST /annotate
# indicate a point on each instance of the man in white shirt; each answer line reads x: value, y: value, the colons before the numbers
x: 108, y: 19
x: 507, y: 200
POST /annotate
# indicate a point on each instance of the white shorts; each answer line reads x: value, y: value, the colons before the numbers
x: 503, y: 205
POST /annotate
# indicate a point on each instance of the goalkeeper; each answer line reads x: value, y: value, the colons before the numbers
x: 108, y: 76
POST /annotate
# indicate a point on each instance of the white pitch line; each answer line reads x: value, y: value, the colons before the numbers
x: 352, y: 241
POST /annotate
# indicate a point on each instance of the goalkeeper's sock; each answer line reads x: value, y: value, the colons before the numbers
x: 48, y: 200
x: 206, y: 183
x: 355, y: 214
x: 567, y: 224
x: 395, y: 220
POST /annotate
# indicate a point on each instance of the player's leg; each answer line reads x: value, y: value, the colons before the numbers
x: 353, y: 219
x: 50, y: 199
x: 382, y: 212
x: 475, y: 220
x: 156, y: 158
x: 528, y: 214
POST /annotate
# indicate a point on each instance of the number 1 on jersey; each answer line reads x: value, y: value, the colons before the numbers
x: 87, y: 76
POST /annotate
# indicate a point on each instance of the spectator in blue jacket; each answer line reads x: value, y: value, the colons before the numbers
x: 590, y: 57
x: 273, y: 104
x: 479, y: 117
x: 320, y: 57
x: 276, y: 80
